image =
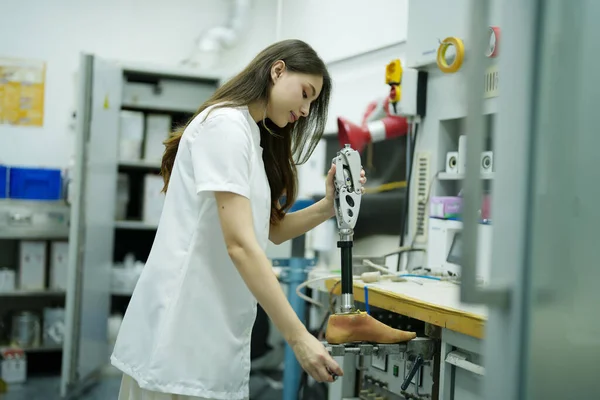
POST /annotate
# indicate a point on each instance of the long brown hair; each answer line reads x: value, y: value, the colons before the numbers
x: 284, y: 148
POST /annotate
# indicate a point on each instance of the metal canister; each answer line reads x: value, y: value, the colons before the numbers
x: 26, y: 329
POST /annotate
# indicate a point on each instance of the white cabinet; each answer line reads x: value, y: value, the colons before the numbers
x: 461, y: 367
x: 106, y: 88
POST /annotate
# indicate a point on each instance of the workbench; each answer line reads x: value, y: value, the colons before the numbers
x: 434, y: 302
x: 437, y: 303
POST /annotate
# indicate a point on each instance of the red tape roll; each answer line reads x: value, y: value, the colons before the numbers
x: 492, y: 51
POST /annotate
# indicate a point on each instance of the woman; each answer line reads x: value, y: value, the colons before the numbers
x: 188, y: 326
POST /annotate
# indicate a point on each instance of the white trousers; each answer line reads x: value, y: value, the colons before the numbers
x: 130, y: 390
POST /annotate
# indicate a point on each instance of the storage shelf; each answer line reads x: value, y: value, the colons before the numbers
x: 141, y: 164
x: 137, y: 225
x: 121, y: 293
x: 34, y: 235
x: 34, y: 293
x: 43, y: 349
x: 32, y: 203
x: 445, y: 176
x: 34, y: 219
x: 163, y: 109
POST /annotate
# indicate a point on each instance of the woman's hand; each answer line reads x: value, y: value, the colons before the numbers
x: 330, y: 186
x: 315, y: 359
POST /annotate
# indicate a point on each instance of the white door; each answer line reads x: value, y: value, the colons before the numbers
x: 543, y: 333
x: 92, y: 230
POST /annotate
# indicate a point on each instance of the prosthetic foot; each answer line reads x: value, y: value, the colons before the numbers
x: 361, y: 327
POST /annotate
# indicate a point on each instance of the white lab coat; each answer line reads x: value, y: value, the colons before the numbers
x: 188, y: 326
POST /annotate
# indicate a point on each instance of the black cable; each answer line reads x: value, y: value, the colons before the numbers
x: 407, y: 191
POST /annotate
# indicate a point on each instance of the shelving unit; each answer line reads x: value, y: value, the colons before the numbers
x: 135, y: 225
x: 446, y: 176
x: 40, y: 222
x: 141, y: 164
x: 101, y: 237
x: 33, y: 293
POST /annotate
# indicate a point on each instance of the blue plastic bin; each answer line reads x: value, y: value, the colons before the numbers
x: 301, y: 204
x: 34, y: 184
x: 3, y: 182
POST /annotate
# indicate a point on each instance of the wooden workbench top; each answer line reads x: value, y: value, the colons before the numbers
x: 430, y: 301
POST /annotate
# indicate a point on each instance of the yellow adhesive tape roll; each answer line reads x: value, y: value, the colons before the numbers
x: 442, y: 63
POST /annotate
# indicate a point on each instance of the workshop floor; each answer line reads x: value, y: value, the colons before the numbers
x: 47, y: 388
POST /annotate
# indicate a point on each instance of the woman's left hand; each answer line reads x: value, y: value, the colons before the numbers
x: 330, y: 186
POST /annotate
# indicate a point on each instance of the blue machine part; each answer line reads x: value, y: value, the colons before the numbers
x: 294, y: 275
x: 3, y: 182
x: 301, y: 203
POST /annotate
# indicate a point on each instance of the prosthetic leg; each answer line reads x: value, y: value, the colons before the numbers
x: 350, y: 325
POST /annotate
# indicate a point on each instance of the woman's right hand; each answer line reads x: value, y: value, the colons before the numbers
x: 315, y: 359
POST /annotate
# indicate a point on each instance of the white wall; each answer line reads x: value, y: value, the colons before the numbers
x: 359, y: 81
x: 341, y: 28
x: 342, y: 32
x: 357, y: 39
x: 151, y: 31
x: 159, y: 32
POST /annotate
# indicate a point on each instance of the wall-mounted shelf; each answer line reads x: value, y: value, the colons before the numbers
x: 152, y: 165
x: 22, y: 234
x: 34, y: 293
x: 121, y: 293
x: 43, y: 349
x: 34, y: 219
x: 137, y: 225
x: 445, y: 176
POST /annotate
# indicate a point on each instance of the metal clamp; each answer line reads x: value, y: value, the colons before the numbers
x: 420, y: 346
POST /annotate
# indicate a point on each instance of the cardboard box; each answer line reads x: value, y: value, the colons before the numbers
x: 158, y: 127
x: 153, y: 198
x: 13, y: 365
x: 7, y: 280
x: 32, y: 265
x: 131, y: 135
x: 59, y: 265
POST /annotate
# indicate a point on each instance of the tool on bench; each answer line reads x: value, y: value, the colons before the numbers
x: 418, y: 350
x: 423, y: 347
x: 347, y: 204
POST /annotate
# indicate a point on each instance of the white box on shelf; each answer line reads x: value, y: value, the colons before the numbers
x: 158, y: 127
x: 13, y: 365
x: 131, y: 135
x: 123, y: 280
x: 153, y: 198
x: 59, y: 261
x: 7, y: 280
x: 122, y: 199
x: 54, y: 326
x: 32, y: 265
